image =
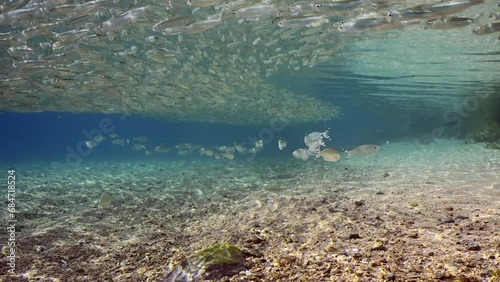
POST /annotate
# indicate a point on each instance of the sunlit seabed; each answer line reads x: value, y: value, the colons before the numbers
x: 176, y: 206
x: 446, y: 163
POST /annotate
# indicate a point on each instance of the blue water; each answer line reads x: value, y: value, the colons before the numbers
x: 51, y: 136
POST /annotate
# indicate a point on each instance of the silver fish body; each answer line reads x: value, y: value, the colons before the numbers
x: 257, y: 11
x: 448, y: 23
x: 364, y: 24
x: 295, y: 22
x: 363, y: 151
x: 15, y: 15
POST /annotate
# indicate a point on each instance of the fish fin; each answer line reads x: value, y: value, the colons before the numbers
x: 482, y: 19
x: 111, y: 35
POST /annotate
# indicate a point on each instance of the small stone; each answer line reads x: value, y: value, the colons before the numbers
x: 473, y: 246
x: 359, y: 203
x: 286, y: 259
x: 447, y: 220
x: 251, y: 252
x: 378, y: 246
x: 439, y: 276
x: 391, y: 277
x: 448, y: 208
x: 6, y: 250
x: 413, y: 235
x: 430, y: 254
x: 354, y: 236
x: 40, y: 249
x: 254, y: 239
x: 355, y: 253
x: 413, y: 204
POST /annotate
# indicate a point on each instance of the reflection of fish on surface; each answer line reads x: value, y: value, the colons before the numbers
x: 363, y: 151
x: 330, y: 155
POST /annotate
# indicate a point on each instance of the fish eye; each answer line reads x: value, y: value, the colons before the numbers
x: 234, y: 13
x: 318, y: 5
x: 429, y: 23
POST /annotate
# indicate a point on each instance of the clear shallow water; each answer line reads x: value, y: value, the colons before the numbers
x: 429, y: 98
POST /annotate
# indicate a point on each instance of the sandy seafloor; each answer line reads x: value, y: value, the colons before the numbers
x: 432, y: 210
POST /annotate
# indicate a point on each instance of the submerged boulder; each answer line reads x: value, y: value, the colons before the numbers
x: 212, y: 263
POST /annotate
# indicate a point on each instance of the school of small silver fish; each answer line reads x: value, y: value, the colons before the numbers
x: 205, y: 60
x: 141, y: 144
x: 315, y: 142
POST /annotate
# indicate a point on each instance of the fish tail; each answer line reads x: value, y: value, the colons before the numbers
x: 482, y: 19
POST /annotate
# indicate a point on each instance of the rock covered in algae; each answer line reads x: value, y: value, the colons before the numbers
x: 213, y: 263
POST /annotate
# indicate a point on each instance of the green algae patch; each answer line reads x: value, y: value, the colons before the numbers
x: 212, y: 263
x: 220, y: 254
x: 219, y: 260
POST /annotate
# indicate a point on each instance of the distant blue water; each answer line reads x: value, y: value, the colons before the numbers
x: 47, y: 136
